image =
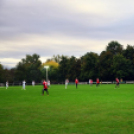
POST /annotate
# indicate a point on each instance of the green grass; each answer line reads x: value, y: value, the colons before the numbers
x: 86, y: 110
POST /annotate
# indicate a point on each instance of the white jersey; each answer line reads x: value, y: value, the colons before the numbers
x: 6, y: 85
x: 48, y: 83
x: 23, y: 83
x: 33, y: 83
x: 66, y: 81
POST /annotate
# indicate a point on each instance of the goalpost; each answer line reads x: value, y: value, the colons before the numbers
x: 1, y: 85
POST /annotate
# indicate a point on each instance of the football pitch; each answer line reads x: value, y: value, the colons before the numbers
x: 86, y: 110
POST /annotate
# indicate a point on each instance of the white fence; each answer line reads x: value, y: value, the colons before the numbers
x: 103, y: 82
x: 127, y: 82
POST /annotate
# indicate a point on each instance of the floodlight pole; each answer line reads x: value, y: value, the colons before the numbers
x: 46, y: 74
x: 46, y: 67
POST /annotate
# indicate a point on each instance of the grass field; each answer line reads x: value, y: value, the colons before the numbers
x: 86, y: 110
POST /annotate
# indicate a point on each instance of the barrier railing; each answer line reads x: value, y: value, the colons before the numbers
x: 70, y: 83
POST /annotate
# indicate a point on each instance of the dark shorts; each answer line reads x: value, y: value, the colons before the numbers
x: 117, y: 84
x: 97, y: 84
x: 45, y: 89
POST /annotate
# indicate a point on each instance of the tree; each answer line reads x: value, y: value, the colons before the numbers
x: 56, y: 58
x: 89, y: 66
x: 112, y: 62
x: 1, y: 73
x: 50, y: 63
x: 105, y: 65
x: 78, y: 67
x: 128, y: 53
x: 114, y: 47
x: 63, y: 68
x: 28, y: 68
x: 121, y: 66
x: 72, y: 72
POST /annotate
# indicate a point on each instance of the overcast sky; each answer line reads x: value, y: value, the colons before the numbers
x: 68, y: 27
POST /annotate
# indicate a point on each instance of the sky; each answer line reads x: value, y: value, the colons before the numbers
x: 64, y: 27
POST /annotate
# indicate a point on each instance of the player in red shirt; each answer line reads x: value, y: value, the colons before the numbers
x: 117, y: 82
x: 97, y: 82
x: 45, y: 88
x: 76, y: 82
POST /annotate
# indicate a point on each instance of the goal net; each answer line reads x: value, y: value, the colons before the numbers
x: 1, y: 85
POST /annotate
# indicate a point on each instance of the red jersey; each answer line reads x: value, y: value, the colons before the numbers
x: 117, y: 80
x: 45, y: 85
x: 76, y: 81
x: 97, y: 81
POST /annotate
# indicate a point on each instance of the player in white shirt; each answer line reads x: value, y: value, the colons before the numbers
x: 6, y: 84
x: 66, y: 83
x: 23, y: 84
x: 33, y: 83
x: 48, y: 83
x: 90, y: 82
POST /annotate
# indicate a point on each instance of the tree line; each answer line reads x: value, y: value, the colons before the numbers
x: 114, y: 61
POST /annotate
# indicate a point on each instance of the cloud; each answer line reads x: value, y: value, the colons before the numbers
x: 72, y: 18
x: 45, y: 45
x: 69, y: 27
